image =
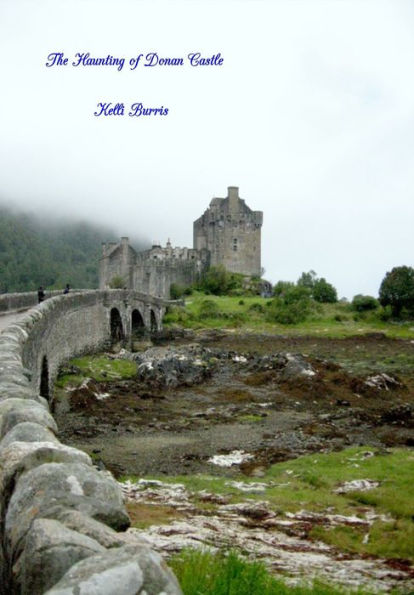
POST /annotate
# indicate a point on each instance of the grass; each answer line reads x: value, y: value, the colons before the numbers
x: 99, y: 367
x: 249, y: 314
x: 144, y: 515
x: 250, y: 418
x: 206, y: 573
x: 309, y: 482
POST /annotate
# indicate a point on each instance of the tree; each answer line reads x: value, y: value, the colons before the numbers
x: 219, y: 281
x: 324, y: 292
x: 397, y: 290
x: 281, y: 287
x: 307, y: 279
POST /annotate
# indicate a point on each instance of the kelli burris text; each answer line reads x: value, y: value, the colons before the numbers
x: 135, y: 110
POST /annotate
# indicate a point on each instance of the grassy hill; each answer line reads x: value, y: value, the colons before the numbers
x: 35, y: 251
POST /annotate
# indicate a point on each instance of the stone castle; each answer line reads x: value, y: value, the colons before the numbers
x: 228, y: 233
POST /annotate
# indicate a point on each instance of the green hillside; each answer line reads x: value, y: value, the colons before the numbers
x: 35, y: 251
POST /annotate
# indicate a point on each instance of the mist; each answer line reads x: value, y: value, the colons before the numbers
x: 310, y: 115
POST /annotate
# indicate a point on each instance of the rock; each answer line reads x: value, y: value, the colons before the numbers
x: 172, y: 367
x: 50, y: 550
x: 77, y: 521
x: 382, y: 382
x: 296, y: 366
x: 71, y: 485
x: 356, y: 485
x: 128, y: 570
x: 13, y: 390
x: 23, y: 456
x: 16, y: 411
x: 28, y: 431
x: 399, y: 414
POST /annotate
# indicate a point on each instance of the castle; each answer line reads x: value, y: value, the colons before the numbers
x: 228, y: 233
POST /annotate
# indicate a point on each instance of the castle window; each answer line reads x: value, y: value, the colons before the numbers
x: 235, y: 244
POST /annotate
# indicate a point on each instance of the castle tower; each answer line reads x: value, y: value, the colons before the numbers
x: 232, y: 233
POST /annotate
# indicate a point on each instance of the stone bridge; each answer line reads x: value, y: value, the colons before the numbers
x: 62, y: 521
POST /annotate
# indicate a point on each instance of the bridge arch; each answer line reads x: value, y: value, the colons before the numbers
x: 44, y: 390
x: 137, y: 324
x: 117, y: 329
x: 153, y: 321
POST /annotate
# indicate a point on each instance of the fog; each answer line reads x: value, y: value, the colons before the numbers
x: 310, y: 114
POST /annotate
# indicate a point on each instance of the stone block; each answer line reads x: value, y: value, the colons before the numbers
x: 51, y: 549
x: 15, y: 411
x: 20, y: 457
x: 28, y: 431
x: 129, y: 570
x: 71, y: 485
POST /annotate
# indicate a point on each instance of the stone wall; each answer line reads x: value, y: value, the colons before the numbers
x: 63, y: 522
x: 15, y: 302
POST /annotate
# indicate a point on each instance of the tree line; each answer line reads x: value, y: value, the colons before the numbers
x: 51, y: 253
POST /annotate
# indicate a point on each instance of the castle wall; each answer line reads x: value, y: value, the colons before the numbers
x: 152, y: 271
x: 156, y: 278
x: 117, y: 261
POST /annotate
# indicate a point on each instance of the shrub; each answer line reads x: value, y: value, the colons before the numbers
x: 397, y: 290
x: 176, y: 291
x: 292, y: 306
x: 218, y: 281
x: 384, y: 313
x: 208, y: 309
x: 362, y: 303
x: 324, y: 292
x: 256, y: 307
x: 117, y: 282
x: 241, y: 302
x: 177, y: 315
x: 290, y: 313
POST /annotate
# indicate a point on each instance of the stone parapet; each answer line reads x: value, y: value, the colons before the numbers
x: 63, y: 521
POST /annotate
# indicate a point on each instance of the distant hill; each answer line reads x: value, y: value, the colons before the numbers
x: 35, y: 251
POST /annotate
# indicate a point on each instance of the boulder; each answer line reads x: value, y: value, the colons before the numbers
x: 15, y: 411
x: 51, y: 549
x: 129, y: 570
x: 72, y: 485
x: 172, y: 367
x: 80, y: 522
x: 28, y: 431
x: 24, y: 456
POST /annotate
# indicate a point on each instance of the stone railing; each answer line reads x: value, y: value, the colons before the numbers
x: 16, y: 302
x: 63, y: 522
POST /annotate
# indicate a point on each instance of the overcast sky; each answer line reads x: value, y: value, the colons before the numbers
x: 310, y: 114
